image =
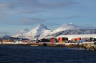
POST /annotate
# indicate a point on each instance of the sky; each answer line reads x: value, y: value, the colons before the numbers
x: 16, y: 15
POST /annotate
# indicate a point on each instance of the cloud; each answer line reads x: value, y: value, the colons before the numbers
x: 6, y: 5
x: 56, y: 3
x: 23, y: 21
x: 31, y: 6
x: 5, y: 9
x: 30, y: 21
x: 47, y: 3
x: 71, y: 17
x: 11, y: 10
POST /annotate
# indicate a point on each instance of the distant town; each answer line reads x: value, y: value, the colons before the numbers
x: 40, y: 36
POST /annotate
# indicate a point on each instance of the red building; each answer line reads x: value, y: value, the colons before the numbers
x: 62, y: 39
x: 52, y: 40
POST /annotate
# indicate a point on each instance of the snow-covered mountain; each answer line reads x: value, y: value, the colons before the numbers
x: 41, y: 31
x: 64, y: 27
x: 69, y: 29
x: 38, y: 32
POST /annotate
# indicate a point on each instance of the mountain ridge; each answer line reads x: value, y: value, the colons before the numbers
x: 41, y: 31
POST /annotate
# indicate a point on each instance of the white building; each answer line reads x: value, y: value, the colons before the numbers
x: 81, y: 35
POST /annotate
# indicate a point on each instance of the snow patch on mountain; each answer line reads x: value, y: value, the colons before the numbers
x: 39, y: 32
x: 65, y: 27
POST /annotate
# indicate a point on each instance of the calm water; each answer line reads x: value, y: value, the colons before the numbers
x: 27, y: 54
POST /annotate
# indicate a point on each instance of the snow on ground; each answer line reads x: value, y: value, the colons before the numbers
x: 81, y: 35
